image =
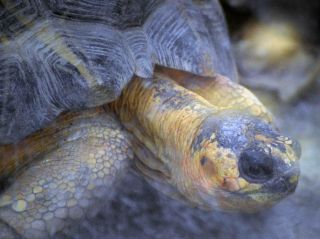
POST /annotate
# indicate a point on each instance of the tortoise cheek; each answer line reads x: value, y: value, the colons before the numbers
x: 208, y: 166
x: 231, y: 184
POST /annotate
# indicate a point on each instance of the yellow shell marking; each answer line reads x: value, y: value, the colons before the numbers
x: 53, y: 39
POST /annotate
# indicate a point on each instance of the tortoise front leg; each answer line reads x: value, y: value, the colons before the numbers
x: 7, y: 232
x: 60, y: 187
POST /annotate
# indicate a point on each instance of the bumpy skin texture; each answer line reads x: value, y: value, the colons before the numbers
x: 181, y: 141
x: 194, y: 148
x: 57, y: 55
x: 77, y: 171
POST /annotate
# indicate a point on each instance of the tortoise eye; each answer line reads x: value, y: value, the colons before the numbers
x: 203, y: 160
x: 207, y: 165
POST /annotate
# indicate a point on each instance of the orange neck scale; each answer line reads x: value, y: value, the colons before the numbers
x: 162, y: 114
x: 167, y: 118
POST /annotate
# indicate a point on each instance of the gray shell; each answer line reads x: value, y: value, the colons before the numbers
x: 59, y: 55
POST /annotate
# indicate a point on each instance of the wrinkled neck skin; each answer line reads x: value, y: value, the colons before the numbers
x: 213, y: 157
x: 164, y: 116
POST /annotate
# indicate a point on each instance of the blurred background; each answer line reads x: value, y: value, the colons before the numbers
x: 276, y: 46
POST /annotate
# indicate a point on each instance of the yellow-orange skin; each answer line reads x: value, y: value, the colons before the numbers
x: 221, y: 92
x: 164, y: 119
x: 62, y: 172
x: 167, y: 124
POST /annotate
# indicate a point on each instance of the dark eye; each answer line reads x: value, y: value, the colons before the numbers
x: 207, y: 166
x: 203, y: 160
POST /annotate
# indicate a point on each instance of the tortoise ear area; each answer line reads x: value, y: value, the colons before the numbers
x: 184, y: 78
x: 207, y: 166
x: 203, y: 160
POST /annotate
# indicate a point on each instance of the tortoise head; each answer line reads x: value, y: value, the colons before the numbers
x: 241, y: 163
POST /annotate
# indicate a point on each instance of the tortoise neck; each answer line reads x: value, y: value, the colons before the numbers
x: 162, y: 115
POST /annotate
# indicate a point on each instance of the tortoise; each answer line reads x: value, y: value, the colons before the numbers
x: 90, y: 88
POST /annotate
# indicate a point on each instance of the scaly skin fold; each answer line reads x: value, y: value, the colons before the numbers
x: 220, y: 91
x: 161, y: 114
x: 15, y: 156
x: 166, y: 118
x: 194, y: 143
x: 189, y: 143
x: 72, y: 168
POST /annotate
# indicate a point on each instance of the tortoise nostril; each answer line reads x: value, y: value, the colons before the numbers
x: 255, y: 165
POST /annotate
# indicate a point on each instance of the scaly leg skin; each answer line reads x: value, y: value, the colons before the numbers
x: 63, y: 185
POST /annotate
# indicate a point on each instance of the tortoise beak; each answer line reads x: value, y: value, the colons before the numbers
x: 296, y: 148
x: 285, y: 184
x: 271, y: 193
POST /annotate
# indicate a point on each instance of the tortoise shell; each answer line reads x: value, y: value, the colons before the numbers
x: 58, y: 56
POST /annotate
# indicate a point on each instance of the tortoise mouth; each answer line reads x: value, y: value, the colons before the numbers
x: 257, y: 199
x: 269, y: 194
x: 284, y: 184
